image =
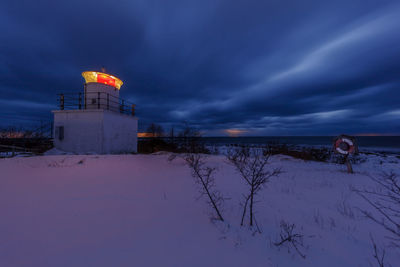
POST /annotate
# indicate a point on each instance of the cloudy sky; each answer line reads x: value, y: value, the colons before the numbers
x: 259, y: 67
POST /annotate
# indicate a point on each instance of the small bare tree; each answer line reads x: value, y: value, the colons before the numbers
x: 204, y: 177
x: 289, y: 237
x: 251, y: 164
x: 379, y: 255
x: 155, y: 130
x: 385, y: 199
x: 190, y: 140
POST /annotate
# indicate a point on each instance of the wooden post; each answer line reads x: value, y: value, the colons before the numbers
x: 98, y: 100
x: 348, y: 164
x: 133, y: 110
x: 62, y: 101
x: 80, y: 100
x: 122, y: 106
x: 85, y: 93
x: 108, y: 101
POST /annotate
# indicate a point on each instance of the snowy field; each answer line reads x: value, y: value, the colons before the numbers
x: 143, y: 210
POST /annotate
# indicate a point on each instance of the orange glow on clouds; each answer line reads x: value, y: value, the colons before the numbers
x: 375, y: 134
x: 235, y: 132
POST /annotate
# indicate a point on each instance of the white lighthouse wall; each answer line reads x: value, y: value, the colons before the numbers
x: 82, y: 130
x: 120, y: 133
x: 92, y: 91
x: 95, y: 131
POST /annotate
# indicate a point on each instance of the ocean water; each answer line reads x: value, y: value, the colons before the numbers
x: 386, y: 143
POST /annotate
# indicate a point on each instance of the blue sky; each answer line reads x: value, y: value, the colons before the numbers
x: 247, y: 67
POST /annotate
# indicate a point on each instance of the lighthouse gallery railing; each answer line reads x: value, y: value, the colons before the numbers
x: 95, y: 100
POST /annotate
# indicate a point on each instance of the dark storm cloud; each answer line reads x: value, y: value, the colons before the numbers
x: 270, y: 67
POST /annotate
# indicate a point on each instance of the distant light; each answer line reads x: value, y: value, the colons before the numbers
x: 100, y: 77
x: 235, y: 132
x: 144, y: 134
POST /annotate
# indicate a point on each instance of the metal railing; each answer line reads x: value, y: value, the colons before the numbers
x: 95, y: 100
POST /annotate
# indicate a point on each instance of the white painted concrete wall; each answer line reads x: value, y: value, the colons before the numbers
x: 120, y: 133
x: 96, y: 131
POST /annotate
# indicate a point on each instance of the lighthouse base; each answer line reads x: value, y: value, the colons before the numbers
x: 95, y: 131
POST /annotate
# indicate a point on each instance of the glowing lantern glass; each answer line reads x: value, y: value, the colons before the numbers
x: 99, y: 77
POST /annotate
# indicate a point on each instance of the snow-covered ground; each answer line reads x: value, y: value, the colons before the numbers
x: 143, y: 210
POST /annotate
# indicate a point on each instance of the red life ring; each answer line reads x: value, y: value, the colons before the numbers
x: 344, y: 146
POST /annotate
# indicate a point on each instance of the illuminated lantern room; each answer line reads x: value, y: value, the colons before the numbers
x: 102, y: 78
x: 101, y: 89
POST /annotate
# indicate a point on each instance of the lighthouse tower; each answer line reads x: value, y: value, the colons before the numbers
x: 96, y: 120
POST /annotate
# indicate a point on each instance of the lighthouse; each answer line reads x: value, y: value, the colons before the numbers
x: 96, y: 119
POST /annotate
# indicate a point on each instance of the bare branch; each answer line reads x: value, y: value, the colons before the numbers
x: 378, y: 255
x: 251, y: 164
x: 385, y: 199
x: 204, y: 176
x: 287, y: 236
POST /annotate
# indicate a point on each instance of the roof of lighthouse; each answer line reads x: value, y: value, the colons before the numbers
x: 100, y: 77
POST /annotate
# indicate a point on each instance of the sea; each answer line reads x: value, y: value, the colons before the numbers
x: 370, y: 143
